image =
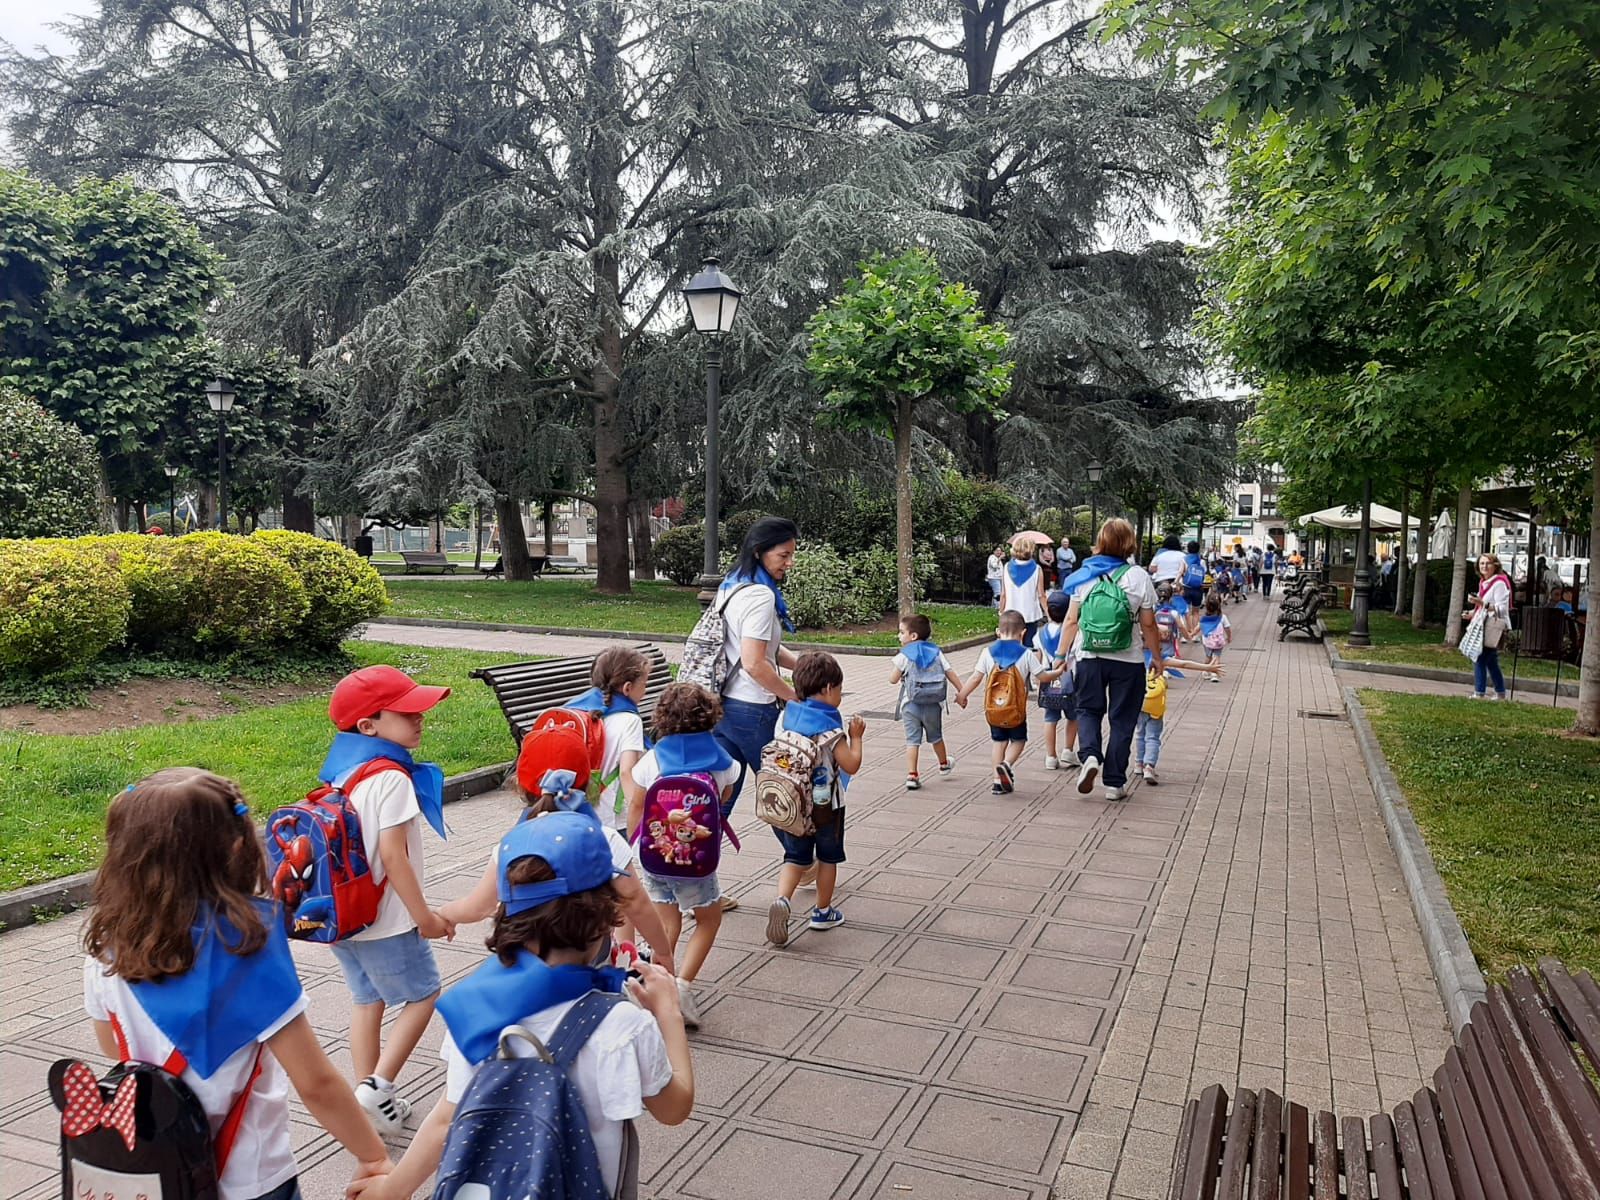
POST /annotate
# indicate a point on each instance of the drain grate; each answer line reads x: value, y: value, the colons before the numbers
x: 1312, y: 714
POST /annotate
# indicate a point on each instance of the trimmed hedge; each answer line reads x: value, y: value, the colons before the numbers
x: 49, y: 473
x: 681, y: 553
x: 66, y: 602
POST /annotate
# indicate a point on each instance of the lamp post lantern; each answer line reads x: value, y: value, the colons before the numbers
x: 1096, y: 469
x: 171, y: 472
x: 219, y: 395
x: 713, y: 302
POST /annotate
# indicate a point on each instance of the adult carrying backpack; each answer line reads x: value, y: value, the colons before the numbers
x: 680, y: 835
x: 1194, y: 571
x: 1005, y: 698
x: 520, y: 1130
x: 320, y: 872
x: 787, y: 777
x: 140, y: 1131
x: 705, y: 651
x: 1105, y: 621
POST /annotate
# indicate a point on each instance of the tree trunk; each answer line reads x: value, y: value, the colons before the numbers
x: 513, y: 539
x: 549, y: 514
x: 983, y: 430
x: 1458, y: 576
x: 298, y: 514
x: 141, y: 513
x: 206, y: 506
x: 1587, y: 719
x: 904, y: 574
x: 124, y: 513
x: 438, y: 535
x: 1419, y: 585
x: 644, y: 559
x: 1400, y: 558
x: 477, y: 536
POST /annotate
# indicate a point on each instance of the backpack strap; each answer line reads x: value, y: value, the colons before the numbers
x: 582, y: 1019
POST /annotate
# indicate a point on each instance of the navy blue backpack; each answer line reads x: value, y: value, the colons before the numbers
x: 1194, y: 571
x: 520, y: 1129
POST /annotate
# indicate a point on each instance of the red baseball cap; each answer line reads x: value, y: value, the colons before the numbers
x: 371, y: 690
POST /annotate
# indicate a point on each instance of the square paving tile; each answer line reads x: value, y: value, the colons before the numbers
x: 1069, y: 976
x: 721, y: 1074
x: 662, y: 1147
x: 978, y: 926
x: 808, y: 1171
x: 923, y: 862
x: 1052, y: 858
x: 1085, y: 940
x: 854, y: 1106
x: 897, y: 1046
x: 1005, y: 1066
x: 789, y: 976
x: 1124, y: 914
x: 1032, y: 875
x: 1042, y: 1017
x: 1140, y: 866
x: 935, y: 956
x: 876, y: 910
x: 1116, y: 886
x: 944, y: 841
x: 755, y: 1022
x: 899, y: 885
x: 916, y: 1181
x: 1000, y: 896
x: 982, y: 1131
x: 919, y: 996
x: 853, y: 943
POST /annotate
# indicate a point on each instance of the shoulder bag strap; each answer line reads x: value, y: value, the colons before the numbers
x: 228, y: 1132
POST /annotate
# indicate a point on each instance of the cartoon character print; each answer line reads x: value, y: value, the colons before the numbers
x: 661, y: 840
x: 686, y: 831
x: 293, y: 878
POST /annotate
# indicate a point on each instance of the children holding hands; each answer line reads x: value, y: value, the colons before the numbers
x: 1009, y: 672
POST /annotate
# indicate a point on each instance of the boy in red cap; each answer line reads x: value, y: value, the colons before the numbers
x: 379, y: 712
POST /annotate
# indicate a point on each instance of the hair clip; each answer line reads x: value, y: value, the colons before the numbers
x: 130, y: 787
x: 241, y: 809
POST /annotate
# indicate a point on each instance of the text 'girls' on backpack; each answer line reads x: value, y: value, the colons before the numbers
x: 1105, y: 620
x: 520, y: 1129
x: 680, y: 835
x: 705, y: 658
x: 139, y: 1132
x: 785, y: 779
x: 320, y: 872
x: 1005, y: 698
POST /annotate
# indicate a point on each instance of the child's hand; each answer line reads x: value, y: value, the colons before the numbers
x: 858, y: 727
x: 435, y: 925
x: 961, y: 701
x: 656, y: 991
x: 371, y: 1183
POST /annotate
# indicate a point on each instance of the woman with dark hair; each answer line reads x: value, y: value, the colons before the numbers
x: 756, y: 617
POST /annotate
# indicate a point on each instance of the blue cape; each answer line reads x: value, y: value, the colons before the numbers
x: 811, y: 717
x: 1006, y: 653
x: 765, y: 579
x: 686, y: 753
x: 1049, y: 642
x: 1093, y: 567
x: 351, y: 750
x: 921, y: 654
x: 225, y: 1000
x: 594, y: 700
x: 1210, y: 624
x: 495, y: 995
x: 1029, y: 567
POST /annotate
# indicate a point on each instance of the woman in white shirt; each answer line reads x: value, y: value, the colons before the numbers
x: 1494, y: 597
x: 993, y: 570
x: 1168, y: 563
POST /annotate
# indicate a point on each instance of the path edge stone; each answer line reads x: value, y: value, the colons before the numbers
x: 1455, y: 970
x: 1542, y: 687
x: 55, y: 897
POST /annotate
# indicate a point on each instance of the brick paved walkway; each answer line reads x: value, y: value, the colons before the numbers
x: 1021, y: 981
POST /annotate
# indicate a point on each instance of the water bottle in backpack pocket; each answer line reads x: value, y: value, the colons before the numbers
x: 785, y: 781
x: 680, y: 835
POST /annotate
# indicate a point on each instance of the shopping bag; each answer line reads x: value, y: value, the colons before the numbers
x: 1472, y: 639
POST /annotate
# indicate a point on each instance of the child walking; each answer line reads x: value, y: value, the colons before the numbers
x: 620, y: 678
x: 188, y: 965
x: 1216, y: 632
x: 927, y: 676
x: 819, y: 688
x: 1152, y: 715
x: 557, y: 907
x: 684, y: 718
x: 1056, y: 698
x: 1009, y: 672
x: 379, y: 714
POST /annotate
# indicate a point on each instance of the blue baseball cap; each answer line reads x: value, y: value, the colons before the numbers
x: 575, y: 846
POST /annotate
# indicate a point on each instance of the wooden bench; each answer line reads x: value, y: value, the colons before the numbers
x: 563, y: 565
x: 1512, y: 1113
x: 538, y: 562
x: 417, y: 560
x: 1303, y: 618
x: 526, y: 689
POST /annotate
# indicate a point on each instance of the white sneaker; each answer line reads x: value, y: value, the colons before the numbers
x: 1088, y: 772
x: 688, y: 1007
x: 1051, y: 763
x: 386, y: 1109
x: 1069, y: 760
x: 778, y: 922
x: 1116, y: 793
x: 1150, y: 775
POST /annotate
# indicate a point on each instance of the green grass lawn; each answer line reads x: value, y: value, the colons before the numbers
x: 54, y: 787
x: 1395, y: 641
x: 651, y: 608
x: 1511, y: 812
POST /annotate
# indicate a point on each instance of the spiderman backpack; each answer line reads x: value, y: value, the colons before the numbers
x: 140, y: 1131
x: 680, y: 835
x: 320, y: 872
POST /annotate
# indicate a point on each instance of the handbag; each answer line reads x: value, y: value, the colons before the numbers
x: 1493, y: 630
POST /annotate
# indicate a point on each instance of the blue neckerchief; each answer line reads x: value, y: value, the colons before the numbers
x: 764, y: 578
x: 225, y: 1000
x: 352, y: 750
x: 921, y: 654
x: 687, y: 753
x: 1093, y: 567
x: 811, y: 717
x: 1007, y: 653
x: 495, y: 995
x: 1210, y: 624
x: 594, y: 700
x: 1029, y: 566
x: 1049, y: 642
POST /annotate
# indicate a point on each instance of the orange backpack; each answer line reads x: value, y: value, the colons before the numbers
x: 1005, y: 698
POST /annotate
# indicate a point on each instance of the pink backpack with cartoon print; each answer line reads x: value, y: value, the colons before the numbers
x: 680, y: 835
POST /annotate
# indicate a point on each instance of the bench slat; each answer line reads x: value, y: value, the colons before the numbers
x: 1578, y: 1013
x: 1523, y: 1170
x: 1237, y: 1147
x: 1200, y: 1171
x: 1406, y: 1137
x: 1296, y: 1152
x: 1578, y: 1105
x: 1183, y: 1151
x: 1466, y: 1139
x: 1325, y: 1157
x: 1357, y: 1172
x: 526, y: 689
x: 1430, y: 1131
x: 1266, y: 1177
x: 1385, y: 1156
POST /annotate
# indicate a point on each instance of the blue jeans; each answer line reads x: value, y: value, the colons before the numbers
x: 1486, y: 668
x: 1107, y: 688
x: 1147, y: 739
x: 744, y: 731
x: 994, y: 586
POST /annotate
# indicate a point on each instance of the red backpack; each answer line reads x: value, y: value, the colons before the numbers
x: 591, y: 726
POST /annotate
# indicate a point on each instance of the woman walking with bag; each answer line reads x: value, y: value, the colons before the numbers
x: 1493, y: 605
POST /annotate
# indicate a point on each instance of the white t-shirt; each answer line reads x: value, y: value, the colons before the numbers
x: 752, y: 612
x: 1141, y: 594
x: 992, y: 568
x: 382, y: 802
x: 1028, y: 664
x: 646, y: 771
x: 903, y: 664
x: 1167, y: 565
x: 623, y: 1061
x: 262, y: 1155
x: 624, y: 732
x: 1023, y: 598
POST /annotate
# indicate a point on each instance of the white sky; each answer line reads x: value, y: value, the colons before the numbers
x: 24, y: 23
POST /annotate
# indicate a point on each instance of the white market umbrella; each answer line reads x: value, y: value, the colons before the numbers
x: 1349, y: 517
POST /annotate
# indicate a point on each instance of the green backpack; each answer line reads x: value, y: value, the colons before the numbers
x: 1105, y: 621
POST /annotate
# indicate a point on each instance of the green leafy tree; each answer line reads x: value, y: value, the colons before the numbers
x: 49, y: 473
x: 900, y: 337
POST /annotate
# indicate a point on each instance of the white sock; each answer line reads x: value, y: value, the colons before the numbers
x: 379, y: 1082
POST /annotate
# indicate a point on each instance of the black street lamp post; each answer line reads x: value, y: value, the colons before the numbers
x: 713, y: 302
x: 1096, y: 470
x: 219, y: 395
x: 171, y: 473
x: 1361, y: 594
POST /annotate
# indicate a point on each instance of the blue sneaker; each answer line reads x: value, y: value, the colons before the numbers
x: 826, y: 918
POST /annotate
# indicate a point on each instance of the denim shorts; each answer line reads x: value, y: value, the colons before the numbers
x: 922, y: 721
x: 687, y: 894
x: 825, y: 845
x: 391, y: 970
x: 1018, y: 734
x: 1069, y: 710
